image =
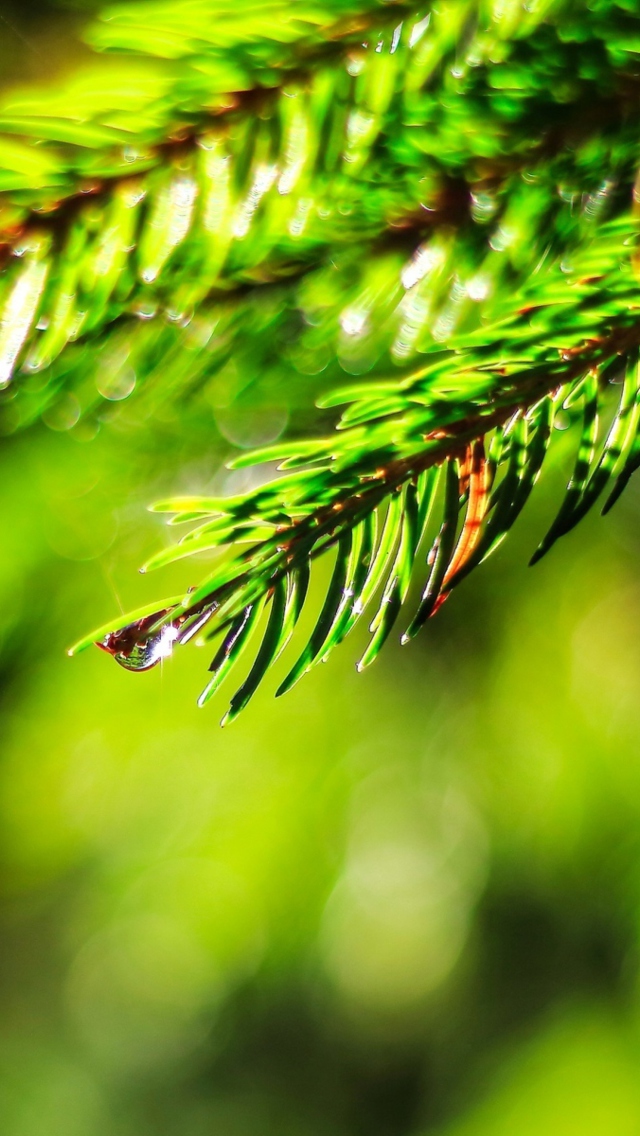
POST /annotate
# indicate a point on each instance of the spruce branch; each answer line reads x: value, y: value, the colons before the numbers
x: 482, y: 428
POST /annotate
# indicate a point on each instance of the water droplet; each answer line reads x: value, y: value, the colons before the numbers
x: 137, y: 647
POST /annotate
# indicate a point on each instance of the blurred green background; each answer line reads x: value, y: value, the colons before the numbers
x: 403, y: 903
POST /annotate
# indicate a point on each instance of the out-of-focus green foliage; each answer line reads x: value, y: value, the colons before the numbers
x: 405, y: 903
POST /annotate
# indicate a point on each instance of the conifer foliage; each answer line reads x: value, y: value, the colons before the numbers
x: 437, y: 203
